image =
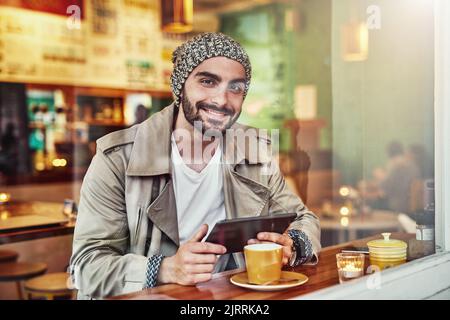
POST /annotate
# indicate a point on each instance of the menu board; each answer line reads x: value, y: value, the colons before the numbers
x: 119, y: 44
x: 169, y: 43
x: 56, y: 7
x: 37, y: 46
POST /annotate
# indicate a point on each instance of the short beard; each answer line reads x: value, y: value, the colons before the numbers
x: 192, y: 115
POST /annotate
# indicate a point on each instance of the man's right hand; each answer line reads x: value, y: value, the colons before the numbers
x: 193, y: 263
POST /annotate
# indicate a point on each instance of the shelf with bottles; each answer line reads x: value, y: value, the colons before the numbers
x: 64, y: 122
x: 105, y: 123
x: 100, y: 111
x: 74, y: 109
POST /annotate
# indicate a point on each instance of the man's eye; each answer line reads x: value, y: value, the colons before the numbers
x: 236, y: 88
x: 207, y: 82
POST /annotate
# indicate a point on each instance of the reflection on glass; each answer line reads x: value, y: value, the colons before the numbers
x: 351, y: 92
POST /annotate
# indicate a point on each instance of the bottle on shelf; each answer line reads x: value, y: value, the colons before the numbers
x: 117, y: 111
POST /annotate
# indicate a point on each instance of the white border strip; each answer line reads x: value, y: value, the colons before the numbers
x: 442, y: 123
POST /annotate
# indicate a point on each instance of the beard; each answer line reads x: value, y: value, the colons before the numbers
x: 209, y: 125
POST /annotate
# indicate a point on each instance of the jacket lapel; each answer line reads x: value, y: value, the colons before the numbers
x: 243, y: 196
x: 150, y: 156
x: 163, y: 213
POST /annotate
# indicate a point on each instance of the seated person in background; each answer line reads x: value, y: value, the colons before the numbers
x: 391, y: 185
x: 147, y: 201
x: 141, y: 114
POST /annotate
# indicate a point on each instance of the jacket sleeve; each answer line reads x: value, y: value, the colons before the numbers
x: 282, y: 199
x: 99, y: 264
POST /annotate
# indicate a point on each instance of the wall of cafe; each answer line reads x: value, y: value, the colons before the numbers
x: 311, y: 57
x: 389, y: 95
x: 115, y: 44
x: 289, y: 45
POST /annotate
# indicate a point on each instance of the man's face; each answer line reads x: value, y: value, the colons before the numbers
x: 213, y: 94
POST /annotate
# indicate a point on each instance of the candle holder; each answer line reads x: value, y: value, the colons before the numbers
x: 350, y: 266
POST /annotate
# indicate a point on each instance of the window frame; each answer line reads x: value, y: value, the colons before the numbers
x: 442, y: 124
x: 428, y: 277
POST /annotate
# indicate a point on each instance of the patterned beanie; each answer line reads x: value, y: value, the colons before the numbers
x: 204, y: 46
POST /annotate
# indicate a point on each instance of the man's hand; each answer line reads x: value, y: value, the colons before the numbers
x: 282, y: 239
x: 193, y: 263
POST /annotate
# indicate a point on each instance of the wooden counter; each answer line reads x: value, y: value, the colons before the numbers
x: 323, y: 275
x: 47, y: 209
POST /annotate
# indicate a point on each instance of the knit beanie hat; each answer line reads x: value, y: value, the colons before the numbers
x: 201, y: 47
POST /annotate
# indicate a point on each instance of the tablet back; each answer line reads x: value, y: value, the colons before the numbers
x: 234, y: 233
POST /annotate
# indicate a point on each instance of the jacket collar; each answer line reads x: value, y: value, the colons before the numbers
x: 150, y: 154
x: 151, y: 150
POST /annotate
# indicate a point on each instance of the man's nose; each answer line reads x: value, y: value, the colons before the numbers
x: 220, y: 97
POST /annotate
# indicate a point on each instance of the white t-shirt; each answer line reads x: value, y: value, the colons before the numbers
x: 199, y: 195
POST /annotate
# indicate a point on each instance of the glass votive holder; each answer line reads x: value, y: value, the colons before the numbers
x: 350, y: 266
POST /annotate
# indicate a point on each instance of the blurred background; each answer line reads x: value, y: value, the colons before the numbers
x: 348, y: 83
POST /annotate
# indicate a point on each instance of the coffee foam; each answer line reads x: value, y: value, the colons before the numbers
x: 262, y: 246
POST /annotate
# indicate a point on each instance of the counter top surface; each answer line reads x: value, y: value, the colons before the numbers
x: 51, y: 210
x: 322, y: 275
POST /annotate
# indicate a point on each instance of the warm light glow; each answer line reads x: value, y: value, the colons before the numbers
x: 40, y: 166
x: 344, y: 191
x: 177, y: 16
x: 4, y: 197
x: 350, y: 267
x: 344, y: 221
x: 4, y: 215
x: 344, y: 211
x: 59, y: 162
x: 355, y: 42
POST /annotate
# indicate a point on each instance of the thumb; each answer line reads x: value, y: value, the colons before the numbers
x: 201, y: 233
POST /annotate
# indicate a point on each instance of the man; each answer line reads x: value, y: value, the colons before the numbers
x: 147, y: 201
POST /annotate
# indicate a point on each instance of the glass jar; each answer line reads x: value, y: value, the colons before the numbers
x: 425, y: 232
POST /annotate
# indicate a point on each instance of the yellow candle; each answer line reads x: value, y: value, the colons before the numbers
x: 351, y: 271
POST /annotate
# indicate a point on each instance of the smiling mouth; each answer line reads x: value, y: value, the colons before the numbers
x: 215, y: 114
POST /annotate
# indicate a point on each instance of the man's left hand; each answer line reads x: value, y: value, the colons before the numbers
x: 281, y: 239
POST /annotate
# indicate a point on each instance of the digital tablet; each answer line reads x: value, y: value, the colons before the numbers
x: 234, y: 234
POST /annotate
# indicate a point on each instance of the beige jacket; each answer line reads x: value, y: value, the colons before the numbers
x: 116, y: 215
